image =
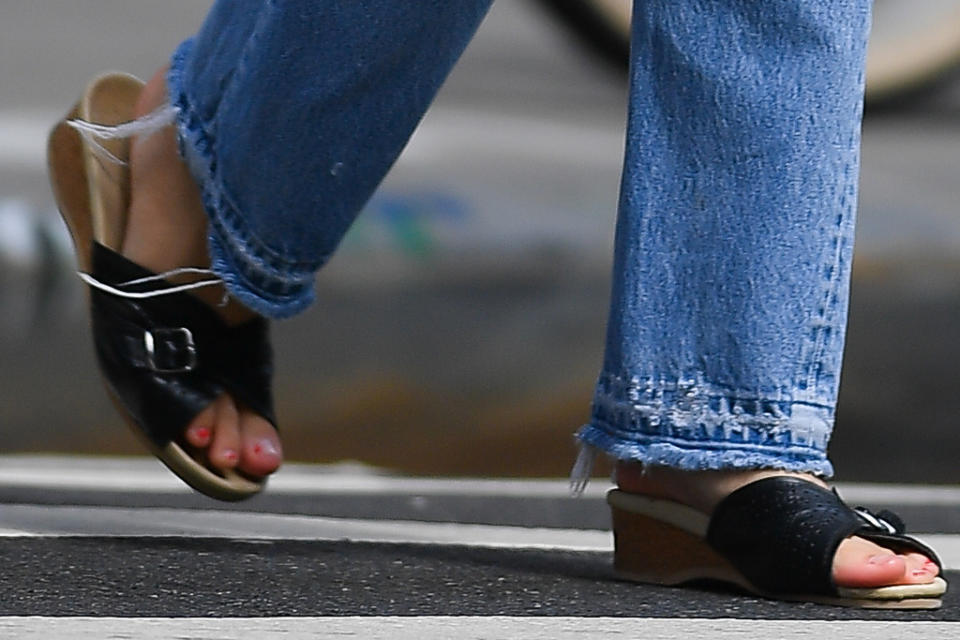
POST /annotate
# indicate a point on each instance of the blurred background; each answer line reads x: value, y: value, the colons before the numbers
x: 460, y: 328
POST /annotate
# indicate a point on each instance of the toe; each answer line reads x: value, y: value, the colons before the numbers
x: 859, y: 563
x: 200, y: 432
x: 224, y: 451
x: 920, y: 569
x: 261, y: 452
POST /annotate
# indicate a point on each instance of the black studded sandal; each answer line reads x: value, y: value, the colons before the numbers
x: 775, y: 538
x: 163, y: 354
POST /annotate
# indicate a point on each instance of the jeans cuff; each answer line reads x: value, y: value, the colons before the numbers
x: 253, y: 273
x: 692, y: 425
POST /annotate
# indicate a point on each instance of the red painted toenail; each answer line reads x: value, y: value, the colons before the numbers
x: 203, y: 433
x: 230, y: 454
x: 257, y: 449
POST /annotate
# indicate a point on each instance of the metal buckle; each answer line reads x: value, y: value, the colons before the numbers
x: 174, y: 345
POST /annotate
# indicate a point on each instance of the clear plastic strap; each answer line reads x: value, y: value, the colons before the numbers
x: 145, y: 125
x: 137, y: 295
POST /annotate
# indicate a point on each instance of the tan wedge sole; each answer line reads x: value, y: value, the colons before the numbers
x: 663, y: 542
x: 93, y: 196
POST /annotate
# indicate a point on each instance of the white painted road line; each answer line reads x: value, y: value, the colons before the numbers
x: 467, y: 628
x: 24, y: 135
x: 146, y: 475
x: 947, y: 547
x: 929, y: 495
x: 37, y: 521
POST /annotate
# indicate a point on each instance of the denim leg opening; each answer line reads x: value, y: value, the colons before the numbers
x: 734, y: 235
x: 253, y: 273
x: 693, y: 425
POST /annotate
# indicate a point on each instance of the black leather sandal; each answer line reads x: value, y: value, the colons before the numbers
x: 163, y: 354
x: 775, y: 538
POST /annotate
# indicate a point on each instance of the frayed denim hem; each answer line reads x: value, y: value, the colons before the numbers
x: 704, y: 456
x: 255, y: 275
x: 223, y: 265
x: 695, y: 425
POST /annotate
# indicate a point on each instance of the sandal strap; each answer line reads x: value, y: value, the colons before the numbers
x: 167, y: 358
x: 782, y: 533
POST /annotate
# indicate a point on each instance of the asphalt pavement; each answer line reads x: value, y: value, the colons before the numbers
x: 348, y: 541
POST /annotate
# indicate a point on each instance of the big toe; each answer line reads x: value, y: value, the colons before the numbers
x: 261, y: 452
x: 860, y: 563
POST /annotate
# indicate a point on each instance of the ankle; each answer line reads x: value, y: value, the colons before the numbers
x: 153, y: 95
x: 167, y: 225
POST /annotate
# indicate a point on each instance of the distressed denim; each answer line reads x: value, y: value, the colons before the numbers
x: 735, y: 234
x: 735, y: 230
x: 290, y: 114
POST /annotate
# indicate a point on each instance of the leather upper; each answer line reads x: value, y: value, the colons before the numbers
x: 781, y: 533
x: 168, y: 357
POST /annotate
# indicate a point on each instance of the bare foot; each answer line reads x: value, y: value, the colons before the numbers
x: 857, y: 563
x: 167, y: 228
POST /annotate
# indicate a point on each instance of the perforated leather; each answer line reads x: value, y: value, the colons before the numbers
x: 782, y: 533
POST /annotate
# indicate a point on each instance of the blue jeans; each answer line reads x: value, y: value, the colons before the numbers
x: 735, y: 229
